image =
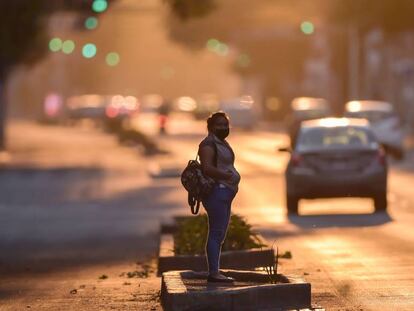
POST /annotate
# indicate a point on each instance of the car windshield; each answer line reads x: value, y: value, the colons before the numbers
x: 310, y: 114
x: 335, y: 138
x: 372, y: 116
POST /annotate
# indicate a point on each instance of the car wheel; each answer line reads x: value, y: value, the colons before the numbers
x: 380, y: 202
x: 292, y: 203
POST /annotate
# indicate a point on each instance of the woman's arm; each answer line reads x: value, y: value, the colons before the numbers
x: 207, y: 156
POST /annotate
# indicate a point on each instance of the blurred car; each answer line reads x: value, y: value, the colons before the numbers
x: 53, y: 108
x: 303, y: 109
x: 119, y: 109
x: 151, y: 103
x: 336, y: 157
x: 121, y: 106
x: 206, y: 105
x: 241, y: 112
x: 185, y: 104
x: 89, y: 106
x: 384, y: 122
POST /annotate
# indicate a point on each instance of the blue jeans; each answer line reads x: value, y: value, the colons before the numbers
x: 218, y: 207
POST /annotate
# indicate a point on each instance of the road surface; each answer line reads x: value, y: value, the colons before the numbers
x: 355, y: 259
x: 76, y: 205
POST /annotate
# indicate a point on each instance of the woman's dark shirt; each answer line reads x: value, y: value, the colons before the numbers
x: 225, y: 159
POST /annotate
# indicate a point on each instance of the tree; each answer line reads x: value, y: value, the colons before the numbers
x: 360, y: 17
x: 23, y: 37
x: 188, y: 9
x: 270, y: 46
x: 392, y: 16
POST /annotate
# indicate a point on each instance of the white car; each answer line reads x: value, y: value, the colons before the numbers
x: 304, y: 109
x: 384, y: 123
x: 241, y: 112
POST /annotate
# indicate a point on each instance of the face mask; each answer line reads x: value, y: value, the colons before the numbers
x: 222, y: 133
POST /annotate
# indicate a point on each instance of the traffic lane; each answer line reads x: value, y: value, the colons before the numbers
x: 354, y: 259
x: 177, y: 124
x: 267, y: 207
x: 258, y: 160
x: 65, y: 203
x: 355, y: 268
x: 262, y: 170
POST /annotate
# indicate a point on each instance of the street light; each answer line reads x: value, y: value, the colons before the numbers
x: 307, y: 27
x: 99, y: 6
x: 68, y: 47
x: 55, y: 44
x: 91, y: 23
x: 112, y: 59
x: 89, y: 50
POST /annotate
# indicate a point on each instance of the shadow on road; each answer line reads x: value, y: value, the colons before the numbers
x: 25, y: 186
x: 44, y: 229
x: 340, y: 220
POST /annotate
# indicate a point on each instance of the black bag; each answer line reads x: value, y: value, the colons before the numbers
x: 196, y: 183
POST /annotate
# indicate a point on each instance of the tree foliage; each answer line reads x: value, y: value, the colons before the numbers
x: 23, y: 35
x: 186, y: 9
x: 266, y: 33
x: 19, y: 32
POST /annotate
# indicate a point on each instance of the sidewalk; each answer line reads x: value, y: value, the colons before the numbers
x: 74, y: 222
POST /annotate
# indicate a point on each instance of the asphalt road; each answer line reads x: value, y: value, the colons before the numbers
x: 78, y: 212
x: 75, y: 205
x: 355, y: 259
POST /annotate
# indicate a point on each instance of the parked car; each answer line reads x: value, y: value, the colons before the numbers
x: 119, y: 106
x: 384, y: 122
x: 88, y: 106
x: 241, y: 112
x: 206, y: 105
x: 303, y: 109
x: 119, y: 109
x: 336, y: 157
x: 151, y: 103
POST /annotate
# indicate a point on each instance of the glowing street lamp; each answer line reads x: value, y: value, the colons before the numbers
x: 307, y: 28
x: 91, y: 23
x: 55, y: 44
x: 99, y: 6
x: 68, y: 47
x: 112, y: 59
x: 89, y: 50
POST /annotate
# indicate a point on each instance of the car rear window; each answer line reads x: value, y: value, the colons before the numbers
x: 371, y: 116
x: 335, y: 138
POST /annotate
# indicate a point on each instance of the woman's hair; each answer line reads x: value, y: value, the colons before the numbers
x: 213, y: 117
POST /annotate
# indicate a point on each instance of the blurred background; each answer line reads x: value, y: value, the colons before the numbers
x: 103, y: 102
x: 272, y: 51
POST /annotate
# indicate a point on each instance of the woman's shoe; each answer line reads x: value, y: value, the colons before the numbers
x: 222, y: 279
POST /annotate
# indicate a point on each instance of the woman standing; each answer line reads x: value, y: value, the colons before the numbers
x: 217, y: 160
